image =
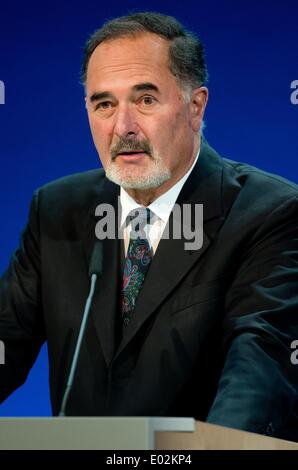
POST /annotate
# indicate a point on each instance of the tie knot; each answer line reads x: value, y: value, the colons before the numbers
x: 142, y: 214
x: 139, y: 218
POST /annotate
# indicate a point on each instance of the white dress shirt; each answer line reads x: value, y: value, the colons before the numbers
x: 160, y: 212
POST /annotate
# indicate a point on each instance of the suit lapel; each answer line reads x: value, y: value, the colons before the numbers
x: 106, y: 296
x: 172, y: 262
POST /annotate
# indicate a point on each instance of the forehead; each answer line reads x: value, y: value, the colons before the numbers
x: 129, y: 58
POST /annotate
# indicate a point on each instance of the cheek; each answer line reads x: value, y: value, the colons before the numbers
x: 182, y: 129
x: 101, y: 140
x: 177, y: 139
x: 173, y: 129
x: 100, y: 133
x: 163, y: 129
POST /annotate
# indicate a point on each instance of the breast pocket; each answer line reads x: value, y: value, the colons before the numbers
x: 198, y: 294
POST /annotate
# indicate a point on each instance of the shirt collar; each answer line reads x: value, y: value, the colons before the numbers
x: 162, y: 206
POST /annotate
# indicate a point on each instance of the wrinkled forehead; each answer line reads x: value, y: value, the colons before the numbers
x: 138, y: 54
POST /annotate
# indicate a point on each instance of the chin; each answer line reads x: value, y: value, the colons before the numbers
x: 138, y: 180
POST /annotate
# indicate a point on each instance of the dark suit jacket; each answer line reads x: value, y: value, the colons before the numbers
x: 212, y: 328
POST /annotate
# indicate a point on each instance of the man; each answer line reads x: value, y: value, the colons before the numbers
x: 202, y: 332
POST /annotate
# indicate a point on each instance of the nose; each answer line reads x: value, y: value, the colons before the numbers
x: 125, y: 122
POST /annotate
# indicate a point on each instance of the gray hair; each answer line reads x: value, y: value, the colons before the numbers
x: 186, y: 52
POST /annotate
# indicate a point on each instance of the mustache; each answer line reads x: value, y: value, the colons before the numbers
x: 125, y: 144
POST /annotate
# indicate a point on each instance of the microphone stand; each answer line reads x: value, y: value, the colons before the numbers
x: 94, y: 271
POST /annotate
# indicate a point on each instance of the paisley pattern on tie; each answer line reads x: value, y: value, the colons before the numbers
x: 137, y: 262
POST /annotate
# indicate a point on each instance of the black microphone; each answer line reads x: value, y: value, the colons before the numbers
x: 95, y: 270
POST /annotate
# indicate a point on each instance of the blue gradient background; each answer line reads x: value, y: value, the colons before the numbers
x: 251, y: 50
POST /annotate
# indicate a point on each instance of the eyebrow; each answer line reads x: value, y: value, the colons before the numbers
x: 99, y: 96
x: 147, y: 86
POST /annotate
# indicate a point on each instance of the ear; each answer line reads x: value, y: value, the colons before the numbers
x: 198, y: 102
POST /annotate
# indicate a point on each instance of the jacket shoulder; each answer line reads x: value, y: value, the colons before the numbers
x: 254, y: 174
x: 73, y: 196
x: 73, y: 184
x: 259, y: 186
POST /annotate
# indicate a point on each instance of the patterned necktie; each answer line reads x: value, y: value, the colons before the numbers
x: 136, y: 265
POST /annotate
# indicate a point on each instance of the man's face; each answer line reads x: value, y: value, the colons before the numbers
x: 145, y: 132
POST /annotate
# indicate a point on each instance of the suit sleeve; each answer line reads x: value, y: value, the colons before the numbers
x: 21, y: 325
x: 258, y: 387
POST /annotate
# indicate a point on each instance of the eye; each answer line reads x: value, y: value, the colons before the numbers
x: 103, y: 105
x: 148, y: 100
